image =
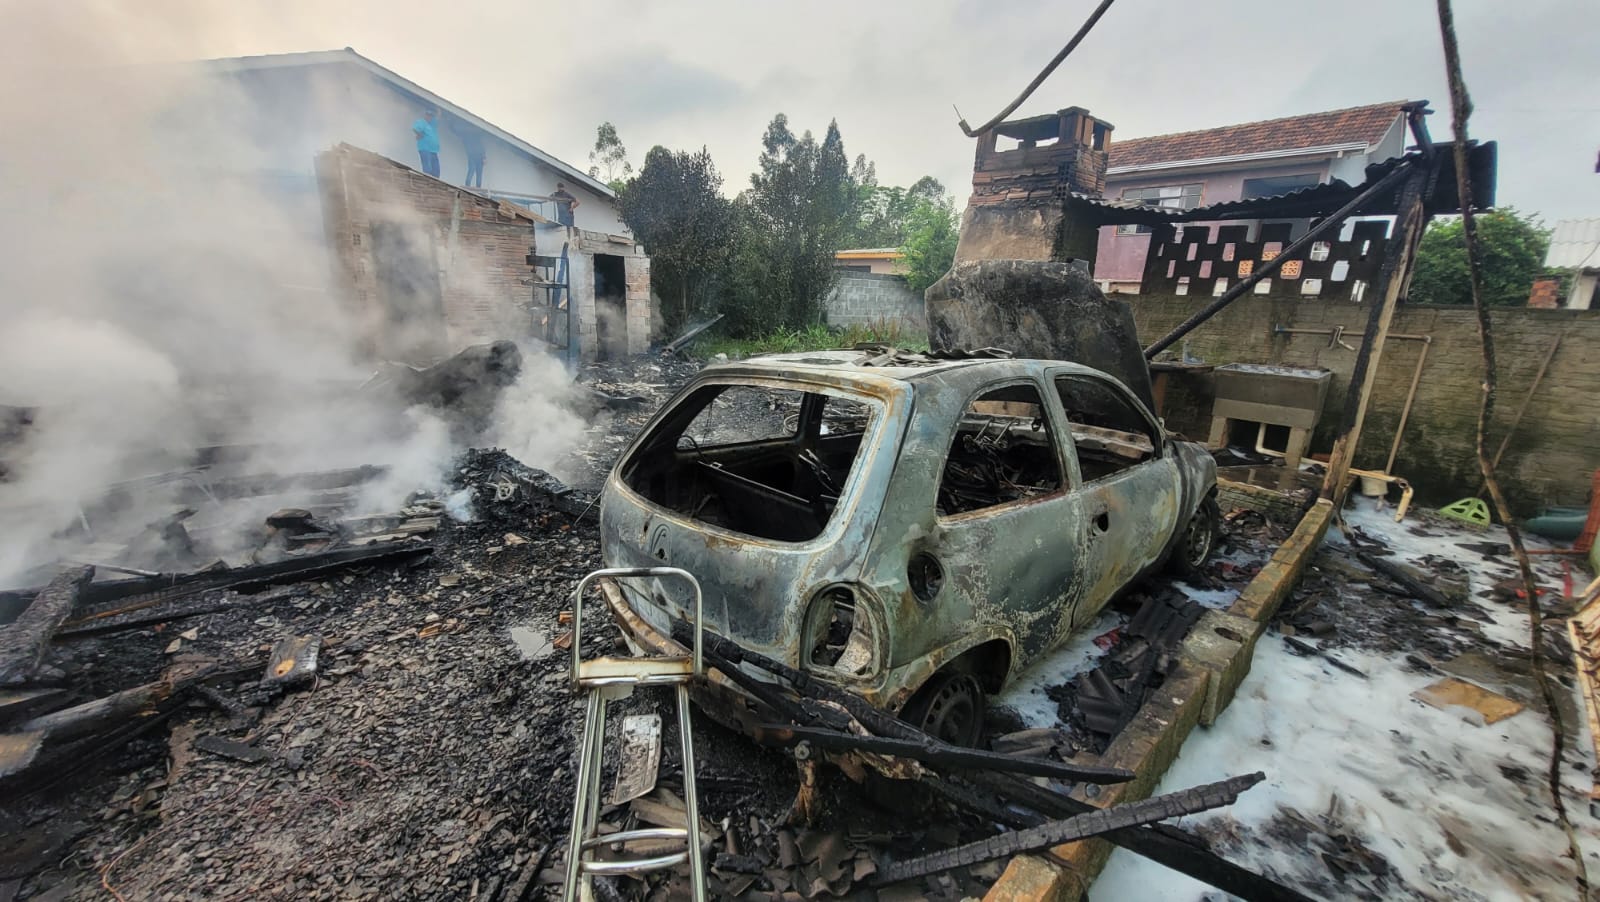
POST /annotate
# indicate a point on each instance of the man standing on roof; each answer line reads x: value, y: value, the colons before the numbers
x: 565, y: 204
x: 472, y: 142
x: 428, y: 141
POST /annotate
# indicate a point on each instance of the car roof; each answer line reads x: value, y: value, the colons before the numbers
x: 905, y: 366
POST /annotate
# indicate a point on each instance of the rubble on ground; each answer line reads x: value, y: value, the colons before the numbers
x: 378, y: 707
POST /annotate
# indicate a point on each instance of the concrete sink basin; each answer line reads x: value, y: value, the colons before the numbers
x: 1288, y: 396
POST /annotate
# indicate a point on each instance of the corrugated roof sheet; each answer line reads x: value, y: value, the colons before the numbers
x: 1320, y: 200
x: 1575, y: 244
x: 1366, y: 124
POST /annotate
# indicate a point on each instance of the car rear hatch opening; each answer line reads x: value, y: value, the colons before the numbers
x: 768, y: 460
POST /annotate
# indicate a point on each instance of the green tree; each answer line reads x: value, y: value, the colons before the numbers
x: 885, y: 211
x: 795, y: 216
x: 1513, y: 246
x: 609, y: 159
x: 676, y: 210
x: 930, y: 244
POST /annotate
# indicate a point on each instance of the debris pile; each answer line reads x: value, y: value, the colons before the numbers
x: 354, y: 706
x: 1141, y: 655
x: 818, y: 723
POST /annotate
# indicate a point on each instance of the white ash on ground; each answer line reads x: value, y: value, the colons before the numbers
x: 1370, y: 792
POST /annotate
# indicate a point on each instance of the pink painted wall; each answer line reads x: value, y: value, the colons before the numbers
x: 1120, y: 258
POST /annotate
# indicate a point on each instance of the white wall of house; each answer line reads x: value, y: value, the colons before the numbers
x: 293, y: 112
x: 1352, y: 168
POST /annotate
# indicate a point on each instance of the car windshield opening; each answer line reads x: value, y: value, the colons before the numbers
x: 768, y: 462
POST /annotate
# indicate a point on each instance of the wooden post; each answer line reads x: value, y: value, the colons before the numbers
x: 1395, y: 276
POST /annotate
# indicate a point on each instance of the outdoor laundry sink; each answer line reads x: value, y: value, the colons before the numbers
x: 1270, y: 395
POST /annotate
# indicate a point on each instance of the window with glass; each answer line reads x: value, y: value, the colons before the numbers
x: 1167, y: 197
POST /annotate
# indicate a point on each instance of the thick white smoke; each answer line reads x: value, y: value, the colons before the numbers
x: 162, y: 293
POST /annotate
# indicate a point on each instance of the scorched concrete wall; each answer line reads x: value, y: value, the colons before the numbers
x: 1551, y: 456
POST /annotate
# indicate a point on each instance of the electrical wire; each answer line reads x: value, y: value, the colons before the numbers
x: 1460, y: 111
x: 1043, y: 74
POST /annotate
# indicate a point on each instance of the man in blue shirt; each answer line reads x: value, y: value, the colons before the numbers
x: 428, y: 141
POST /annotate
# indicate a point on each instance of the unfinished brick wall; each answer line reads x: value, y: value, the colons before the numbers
x: 469, y: 254
x: 1552, y: 454
x: 1546, y: 294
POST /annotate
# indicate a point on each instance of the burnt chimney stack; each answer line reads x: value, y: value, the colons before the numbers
x: 1042, y: 159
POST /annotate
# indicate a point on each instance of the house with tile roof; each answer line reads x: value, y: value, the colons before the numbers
x: 1237, y: 162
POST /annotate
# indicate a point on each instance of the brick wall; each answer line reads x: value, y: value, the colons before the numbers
x: 860, y: 298
x: 1546, y: 293
x: 1552, y: 454
x: 476, y: 247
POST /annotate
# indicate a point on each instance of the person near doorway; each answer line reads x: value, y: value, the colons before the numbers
x: 472, y: 142
x: 565, y: 204
x: 427, y: 132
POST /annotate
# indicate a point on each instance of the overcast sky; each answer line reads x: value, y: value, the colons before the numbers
x: 688, y: 74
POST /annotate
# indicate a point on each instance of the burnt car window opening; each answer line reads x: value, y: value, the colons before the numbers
x: 767, y: 462
x: 1108, y: 432
x: 1003, y: 452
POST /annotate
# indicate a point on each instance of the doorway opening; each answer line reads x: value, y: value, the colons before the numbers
x: 610, y: 307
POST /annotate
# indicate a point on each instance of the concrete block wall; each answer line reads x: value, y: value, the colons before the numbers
x: 865, y: 299
x: 580, y: 275
x: 636, y: 270
x: 1552, y: 455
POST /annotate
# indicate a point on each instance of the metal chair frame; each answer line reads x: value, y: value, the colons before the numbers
x: 606, y: 678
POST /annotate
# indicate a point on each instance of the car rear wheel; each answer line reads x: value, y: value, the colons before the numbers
x: 949, y: 707
x: 1199, y: 539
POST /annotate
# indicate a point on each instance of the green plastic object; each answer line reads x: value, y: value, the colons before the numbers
x: 1471, y: 511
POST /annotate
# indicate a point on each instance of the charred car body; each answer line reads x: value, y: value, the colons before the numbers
x: 915, y: 530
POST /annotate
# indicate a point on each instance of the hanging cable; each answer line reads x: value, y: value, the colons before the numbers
x: 1460, y: 110
x: 1043, y: 74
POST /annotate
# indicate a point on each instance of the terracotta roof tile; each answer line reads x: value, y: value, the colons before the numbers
x: 1362, y: 123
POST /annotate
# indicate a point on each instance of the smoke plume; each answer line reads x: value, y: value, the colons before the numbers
x: 165, y: 292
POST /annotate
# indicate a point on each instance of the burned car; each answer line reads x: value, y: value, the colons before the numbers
x: 915, y: 530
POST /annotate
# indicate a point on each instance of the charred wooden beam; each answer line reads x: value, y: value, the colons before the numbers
x: 939, y: 753
x: 1083, y: 826
x: 141, y: 594
x: 23, y: 641
x: 1414, y: 587
x: 101, y: 714
x: 1167, y: 846
x: 20, y: 704
x: 1394, y: 281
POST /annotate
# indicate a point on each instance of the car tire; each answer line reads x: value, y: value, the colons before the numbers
x: 949, y: 707
x: 1199, y: 539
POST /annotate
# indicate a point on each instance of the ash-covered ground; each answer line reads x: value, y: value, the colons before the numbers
x: 1370, y: 792
x: 433, y: 755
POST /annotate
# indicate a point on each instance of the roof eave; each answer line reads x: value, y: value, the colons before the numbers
x: 349, y: 55
x: 1326, y: 150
